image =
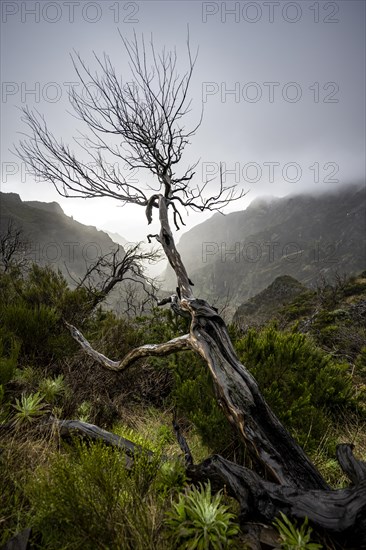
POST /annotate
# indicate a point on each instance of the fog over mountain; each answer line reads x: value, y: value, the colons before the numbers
x: 281, y: 84
x: 230, y: 258
x: 236, y: 256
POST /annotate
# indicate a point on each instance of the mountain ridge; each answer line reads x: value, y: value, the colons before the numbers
x: 238, y: 255
x: 260, y: 308
x: 52, y: 237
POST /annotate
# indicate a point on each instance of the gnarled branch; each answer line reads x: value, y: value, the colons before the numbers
x: 341, y: 511
x: 182, y: 343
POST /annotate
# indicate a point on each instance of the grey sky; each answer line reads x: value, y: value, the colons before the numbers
x: 283, y: 86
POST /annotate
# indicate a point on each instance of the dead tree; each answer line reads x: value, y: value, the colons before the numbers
x: 145, y: 113
x: 13, y: 248
x: 102, y: 276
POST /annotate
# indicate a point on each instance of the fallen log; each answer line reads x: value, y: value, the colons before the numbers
x: 70, y: 428
x: 341, y: 513
x: 20, y: 541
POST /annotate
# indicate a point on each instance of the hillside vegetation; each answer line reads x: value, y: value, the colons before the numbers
x: 308, y: 356
x: 50, y: 238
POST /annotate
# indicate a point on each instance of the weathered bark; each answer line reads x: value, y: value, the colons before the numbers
x: 353, y: 468
x: 20, y: 541
x: 340, y: 512
x: 188, y: 458
x: 182, y: 343
x: 166, y: 240
x: 244, y: 405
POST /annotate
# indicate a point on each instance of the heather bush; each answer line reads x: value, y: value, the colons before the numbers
x: 304, y: 386
x: 87, y: 499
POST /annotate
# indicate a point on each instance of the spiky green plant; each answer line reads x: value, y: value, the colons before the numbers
x: 27, y: 375
x: 170, y: 477
x: 52, y: 388
x: 201, y: 521
x: 293, y: 538
x: 84, y: 411
x: 28, y: 408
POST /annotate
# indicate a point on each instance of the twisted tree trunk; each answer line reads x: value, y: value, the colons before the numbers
x: 244, y: 406
x: 296, y: 486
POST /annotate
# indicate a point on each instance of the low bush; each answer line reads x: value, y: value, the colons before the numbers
x: 303, y: 385
x: 87, y: 499
x: 19, y: 458
x: 194, y: 397
x: 201, y: 520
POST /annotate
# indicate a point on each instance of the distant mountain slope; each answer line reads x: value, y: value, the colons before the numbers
x: 260, y: 308
x: 52, y: 237
x: 238, y: 255
x: 116, y: 237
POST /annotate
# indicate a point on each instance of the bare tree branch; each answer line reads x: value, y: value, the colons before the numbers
x: 102, y: 276
x: 182, y: 343
x: 12, y: 247
x: 145, y: 115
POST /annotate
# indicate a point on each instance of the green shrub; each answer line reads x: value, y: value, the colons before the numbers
x: 52, y: 388
x: 194, y: 396
x: 43, y: 285
x: 28, y: 409
x: 354, y: 286
x: 301, y: 305
x: 293, y: 538
x: 8, y: 359
x: 36, y: 327
x: 28, y: 376
x: 116, y: 337
x: 17, y: 459
x: 171, y: 477
x: 200, y: 520
x: 302, y: 384
x: 87, y: 499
